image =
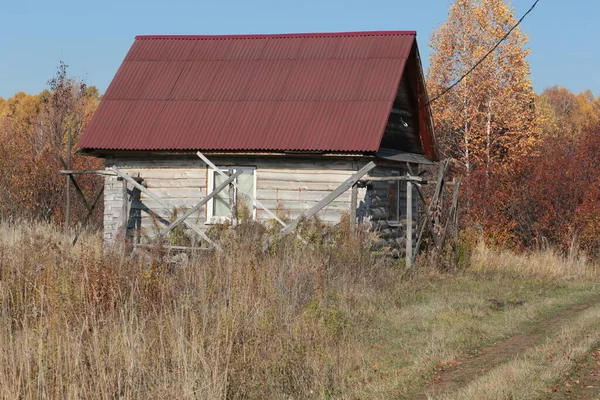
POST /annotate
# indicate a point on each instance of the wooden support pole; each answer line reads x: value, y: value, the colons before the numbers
x: 427, y: 218
x: 89, y: 214
x: 205, y: 200
x: 353, y: 206
x: 232, y: 201
x: 409, y: 227
x: 124, y: 213
x: 75, y: 184
x: 68, y: 187
x: 410, y: 178
x: 142, y: 189
x: 439, y: 187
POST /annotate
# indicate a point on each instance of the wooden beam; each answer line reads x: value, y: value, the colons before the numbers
x: 68, y: 187
x: 427, y: 216
x: 124, y: 209
x: 163, y: 204
x: 353, y: 206
x: 149, y: 246
x: 75, y: 184
x: 89, y: 214
x: 232, y: 202
x: 329, y: 198
x: 205, y: 200
x: 436, y: 194
x: 86, y: 172
x: 409, y: 227
x: 409, y: 178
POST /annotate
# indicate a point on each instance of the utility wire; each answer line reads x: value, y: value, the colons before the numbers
x: 484, y: 57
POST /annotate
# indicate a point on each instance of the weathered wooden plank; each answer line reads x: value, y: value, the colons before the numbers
x: 172, y: 203
x: 175, y: 183
x: 303, y: 206
x: 327, y: 216
x: 329, y: 198
x: 393, y: 179
x: 295, y: 195
x: 86, y: 172
x: 262, y: 184
x: 168, y: 173
x: 164, y: 205
x: 285, y: 162
x: 303, y: 177
x: 177, y: 193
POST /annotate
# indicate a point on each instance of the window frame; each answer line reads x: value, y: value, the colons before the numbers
x: 210, y: 185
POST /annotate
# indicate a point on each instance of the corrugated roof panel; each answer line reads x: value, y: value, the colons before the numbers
x: 291, y: 118
x: 376, y: 82
x: 196, y: 80
x: 304, y: 81
x: 207, y: 49
x: 316, y: 48
x: 161, y: 81
x: 392, y: 46
x: 323, y: 92
x: 356, y: 47
x: 342, y: 79
x: 160, y: 50
x: 130, y: 81
x: 247, y: 49
x: 231, y: 81
x: 269, y: 80
x: 141, y: 116
x: 282, y: 49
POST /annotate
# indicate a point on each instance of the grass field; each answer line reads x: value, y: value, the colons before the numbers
x: 331, y: 320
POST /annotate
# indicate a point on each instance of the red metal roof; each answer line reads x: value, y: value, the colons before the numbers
x: 301, y: 92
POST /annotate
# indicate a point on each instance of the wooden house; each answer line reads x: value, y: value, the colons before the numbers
x: 297, y: 114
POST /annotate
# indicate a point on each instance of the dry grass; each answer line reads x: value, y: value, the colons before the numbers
x: 546, y: 264
x: 436, y: 321
x: 331, y: 320
x: 78, y: 323
x: 530, y: 375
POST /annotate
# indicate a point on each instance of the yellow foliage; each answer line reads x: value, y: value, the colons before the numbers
x: 489, y: 119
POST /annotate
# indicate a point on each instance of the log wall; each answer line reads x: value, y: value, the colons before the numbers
x: 286, y: 183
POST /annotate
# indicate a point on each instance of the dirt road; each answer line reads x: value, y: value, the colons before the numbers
x: 489, y: 358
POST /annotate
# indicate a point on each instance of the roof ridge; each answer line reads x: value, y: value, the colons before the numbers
x: 278, y: 35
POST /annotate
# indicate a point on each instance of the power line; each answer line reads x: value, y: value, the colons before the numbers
x: 484, y: 57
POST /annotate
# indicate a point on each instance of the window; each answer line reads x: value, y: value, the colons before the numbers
x: 244, y: 193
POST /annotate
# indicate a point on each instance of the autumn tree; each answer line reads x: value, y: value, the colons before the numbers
x: 488, y: 120
x: 33, y: 134
x: 564, y: 114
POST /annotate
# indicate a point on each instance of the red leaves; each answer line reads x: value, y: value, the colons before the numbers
x: 550, y: 197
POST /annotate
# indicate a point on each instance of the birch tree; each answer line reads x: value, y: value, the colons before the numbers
x: 488, y: 119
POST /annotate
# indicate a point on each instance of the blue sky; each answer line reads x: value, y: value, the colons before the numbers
x: 92, y: 37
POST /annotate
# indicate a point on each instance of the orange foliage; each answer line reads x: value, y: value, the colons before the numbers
x: 550, y: 197
x: 33, y: 137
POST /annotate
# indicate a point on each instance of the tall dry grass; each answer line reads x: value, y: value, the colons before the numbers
x: 83, y: 322
x: 545, y: 264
